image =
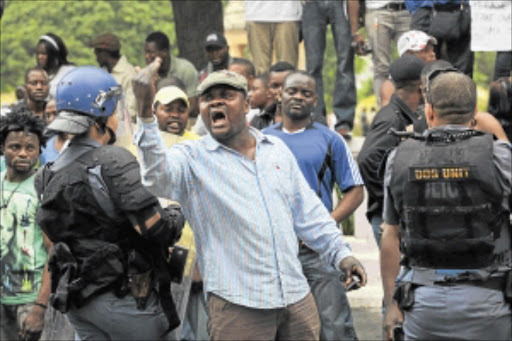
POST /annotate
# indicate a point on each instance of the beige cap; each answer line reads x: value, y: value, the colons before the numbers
x: 169, y: 94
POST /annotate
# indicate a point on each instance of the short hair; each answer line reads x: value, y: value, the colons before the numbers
x: 281, y: 67
x: 21, y: 119
x: 453, y: 97
x: 113, y: 54
x: 300, y: 72
x: 34, y: 68
x: 160, y: 39
x: 244, y: 62
x: 59, y: 54
x: 264, y: 78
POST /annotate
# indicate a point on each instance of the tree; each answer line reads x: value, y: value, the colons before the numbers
x: 194, y: 20
x: 76, y: 22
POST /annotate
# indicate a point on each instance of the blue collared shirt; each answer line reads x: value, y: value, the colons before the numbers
x: 246, y: 214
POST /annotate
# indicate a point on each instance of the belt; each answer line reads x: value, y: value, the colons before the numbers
x: 449, y: 7
x: 494, y: 283
x: 395, y: 6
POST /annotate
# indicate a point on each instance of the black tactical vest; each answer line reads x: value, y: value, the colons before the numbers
x: 95, y: 247
x: 450, y: 201
x: 69, y: 200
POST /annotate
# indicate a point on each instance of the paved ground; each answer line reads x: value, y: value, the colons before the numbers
x: 366, y: 302
x: 367, y: 322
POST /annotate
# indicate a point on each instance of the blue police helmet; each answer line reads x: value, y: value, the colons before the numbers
x: 88, y: 90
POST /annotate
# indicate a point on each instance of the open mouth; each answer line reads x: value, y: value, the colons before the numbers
x: 218, y: 118
x: 173, y: 125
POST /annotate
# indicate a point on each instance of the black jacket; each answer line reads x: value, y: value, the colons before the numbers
x: 377, y: 145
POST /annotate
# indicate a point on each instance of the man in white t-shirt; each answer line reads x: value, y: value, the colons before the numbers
x: 273, y: 25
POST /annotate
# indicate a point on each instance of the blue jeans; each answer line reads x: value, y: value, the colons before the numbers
x: 376, y: 222
x: 330, y: 297
x: 316, y: 16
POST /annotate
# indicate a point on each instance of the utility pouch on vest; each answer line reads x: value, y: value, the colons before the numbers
x: 63, y: 268
x: 140, y: 277
x: 177, y: 263
x: 141, y: 285
x: 404, y: 295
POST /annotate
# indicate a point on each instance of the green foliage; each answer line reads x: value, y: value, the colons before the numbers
x: 76, y: 22
x: 484, y: 68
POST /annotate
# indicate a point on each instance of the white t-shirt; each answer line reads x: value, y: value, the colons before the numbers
x: 57, y: 77
x: 375, y: 4
x: 273, y: 10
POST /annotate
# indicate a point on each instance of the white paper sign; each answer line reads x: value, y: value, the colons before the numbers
x: 491, y: 25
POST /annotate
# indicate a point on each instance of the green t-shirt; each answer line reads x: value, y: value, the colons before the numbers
x: 22, y: 251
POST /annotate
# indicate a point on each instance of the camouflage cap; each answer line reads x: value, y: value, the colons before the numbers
x: 223, y: 77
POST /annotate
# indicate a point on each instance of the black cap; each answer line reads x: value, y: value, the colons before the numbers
x: 215, y: 40
x: 407, y: 68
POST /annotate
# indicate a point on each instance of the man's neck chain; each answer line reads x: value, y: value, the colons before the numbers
x: 6, y: 203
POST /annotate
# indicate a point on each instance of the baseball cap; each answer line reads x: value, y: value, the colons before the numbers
x: 70, y: 122
x: 169, y: 94
x: 215, y: 39
x: 406, y: 68
x: 223, y: 77
x: 414, y: 41
x: 106, y: 41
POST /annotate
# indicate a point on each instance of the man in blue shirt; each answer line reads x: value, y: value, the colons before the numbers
x: 324, y: 159
x: 248, y: 205
x: 449, y: 21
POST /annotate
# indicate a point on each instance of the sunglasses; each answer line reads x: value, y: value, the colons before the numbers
x: 432, y: 75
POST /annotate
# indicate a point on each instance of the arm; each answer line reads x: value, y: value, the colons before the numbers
x: 386, y: 91
x: 314, y: 226
x: 390, y: 254
x: 163, y: 170
x: 353, y: 16
x: 348, y: 204
x: 489, y: 124
x: 389, y: 268
x: 348, y: 178
x: 32, y: 326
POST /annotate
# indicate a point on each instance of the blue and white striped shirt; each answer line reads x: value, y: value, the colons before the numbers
x: 246, y: 215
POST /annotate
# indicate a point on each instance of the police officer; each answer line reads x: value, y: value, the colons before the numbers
x: 111, y: 237
x: 446, y: 210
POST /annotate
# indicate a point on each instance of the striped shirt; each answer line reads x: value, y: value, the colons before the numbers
x: 246, y: 214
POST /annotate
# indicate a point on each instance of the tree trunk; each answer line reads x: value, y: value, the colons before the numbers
x: 194, y: 20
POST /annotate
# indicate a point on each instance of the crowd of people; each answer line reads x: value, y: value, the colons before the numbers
x: 171, y: 203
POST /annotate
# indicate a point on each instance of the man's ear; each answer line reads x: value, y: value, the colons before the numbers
x: 247, y: 104
x: 429, y: 114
